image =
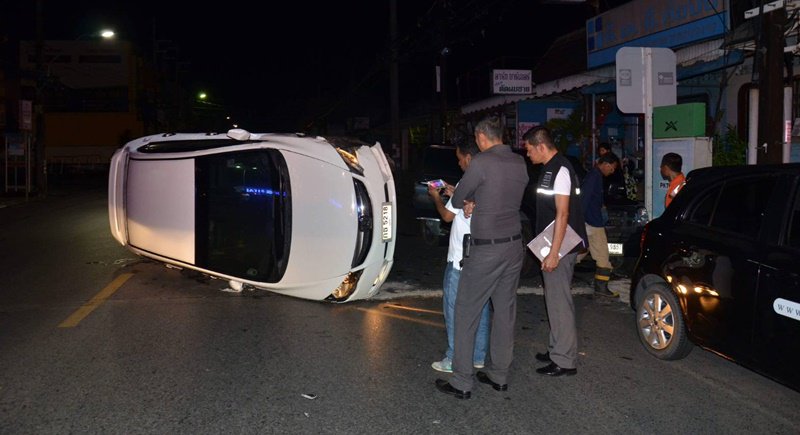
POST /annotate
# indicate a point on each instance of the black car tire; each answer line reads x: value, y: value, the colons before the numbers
x: 659, y: 322
x: 617, y: 262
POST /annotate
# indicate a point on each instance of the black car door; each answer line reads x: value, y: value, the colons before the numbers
x: 777, y: 327
x: 716, y: 266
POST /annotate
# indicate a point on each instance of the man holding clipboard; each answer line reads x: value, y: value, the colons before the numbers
x: 558, y: 207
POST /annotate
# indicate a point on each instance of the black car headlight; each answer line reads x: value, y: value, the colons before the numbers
x: 641, y: 216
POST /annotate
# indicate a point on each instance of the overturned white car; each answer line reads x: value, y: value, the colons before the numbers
x: 307, y: 217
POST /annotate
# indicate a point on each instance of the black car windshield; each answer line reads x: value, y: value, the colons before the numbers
x: 243, y: 215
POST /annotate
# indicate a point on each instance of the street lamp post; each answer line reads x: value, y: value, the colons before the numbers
x: 42, y: 79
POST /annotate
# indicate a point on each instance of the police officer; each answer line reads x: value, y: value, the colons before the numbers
x: 495, y: 180
x: 557, y: 201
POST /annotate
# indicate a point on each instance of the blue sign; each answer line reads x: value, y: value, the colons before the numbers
x: 653, y: 23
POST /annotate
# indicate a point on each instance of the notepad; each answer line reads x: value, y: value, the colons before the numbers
x: 541, y: 244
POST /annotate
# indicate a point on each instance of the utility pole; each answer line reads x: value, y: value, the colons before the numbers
x: 394, y: 92
x: 769, y: 64
x: 39, y: 170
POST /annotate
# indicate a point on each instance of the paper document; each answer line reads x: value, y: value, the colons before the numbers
x: 540, y: 245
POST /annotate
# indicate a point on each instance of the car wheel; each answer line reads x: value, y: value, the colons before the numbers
x: 659, y: 321
x: 617, y: 262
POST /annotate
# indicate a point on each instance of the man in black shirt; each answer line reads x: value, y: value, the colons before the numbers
x: 557, y: 201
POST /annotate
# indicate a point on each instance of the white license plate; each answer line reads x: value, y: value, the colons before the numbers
x: 386, y: 221
x: 615, y: 248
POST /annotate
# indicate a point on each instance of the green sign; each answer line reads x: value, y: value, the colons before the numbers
x: 680, y: 120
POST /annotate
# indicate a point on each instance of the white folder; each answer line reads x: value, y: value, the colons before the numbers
x: 541, y: 244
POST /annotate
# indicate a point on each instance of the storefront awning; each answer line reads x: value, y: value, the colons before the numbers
x: 492, y: 102
x: 692, y: 61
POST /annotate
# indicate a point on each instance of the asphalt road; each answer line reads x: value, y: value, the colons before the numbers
x: 173, y: 352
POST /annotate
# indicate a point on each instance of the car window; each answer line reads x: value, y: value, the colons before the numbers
x: 243, y: 214
x: 793, y: 236
x: 742, y: 204
x: 701, y: 214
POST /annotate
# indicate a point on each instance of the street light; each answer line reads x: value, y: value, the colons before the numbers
x: 42, y: 77
x: 104, y: 33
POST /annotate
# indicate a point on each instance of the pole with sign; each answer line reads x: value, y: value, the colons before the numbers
x: 645, y: 79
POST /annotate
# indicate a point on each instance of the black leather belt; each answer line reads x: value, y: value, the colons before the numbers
x: 496, y: 241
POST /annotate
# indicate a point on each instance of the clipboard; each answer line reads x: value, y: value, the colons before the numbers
x: 541, y: 244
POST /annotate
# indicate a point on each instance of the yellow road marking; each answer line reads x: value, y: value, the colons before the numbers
x: 397, y: 316
x: 418, y: 310
x: 95, y: 302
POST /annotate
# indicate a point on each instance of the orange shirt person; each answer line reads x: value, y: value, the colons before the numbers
x: 671, y: 165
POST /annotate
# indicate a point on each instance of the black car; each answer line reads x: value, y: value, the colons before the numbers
x: 438, y: 162
x: 721, y: 269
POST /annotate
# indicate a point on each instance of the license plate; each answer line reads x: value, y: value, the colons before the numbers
x: 615, y: 248
x: 386, y: 221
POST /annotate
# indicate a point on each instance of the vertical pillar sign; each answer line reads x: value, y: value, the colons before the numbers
x: 645, y: 79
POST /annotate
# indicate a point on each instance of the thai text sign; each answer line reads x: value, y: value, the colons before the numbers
x: 512, y: 81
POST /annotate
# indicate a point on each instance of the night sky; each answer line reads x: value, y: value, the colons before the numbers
x: 293, y: 60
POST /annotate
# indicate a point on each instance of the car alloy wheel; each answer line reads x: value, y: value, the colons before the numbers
x: 660, y: 323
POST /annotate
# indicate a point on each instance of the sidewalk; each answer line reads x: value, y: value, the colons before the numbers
x: 11, y: 199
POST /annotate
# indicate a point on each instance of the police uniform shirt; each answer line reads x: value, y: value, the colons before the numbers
x: 495, y: 180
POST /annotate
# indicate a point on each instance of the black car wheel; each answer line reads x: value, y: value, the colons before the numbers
x: 660, y: 323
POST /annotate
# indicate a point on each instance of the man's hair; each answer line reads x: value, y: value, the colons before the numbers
x: 604, y: 146
x: 673, y: 161
x: 468, y: 147
x: 490, y: 127
x: 539, y: 135
x: 608, y: 157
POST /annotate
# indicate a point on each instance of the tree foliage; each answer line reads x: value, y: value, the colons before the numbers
x: 729, y: 148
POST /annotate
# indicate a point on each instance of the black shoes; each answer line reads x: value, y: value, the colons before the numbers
x: 446, y: 388
x: 543, y: 357
x: 484, y: 378
x: 553, y: 369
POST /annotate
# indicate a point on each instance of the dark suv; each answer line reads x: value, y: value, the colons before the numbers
x: 721, y: 269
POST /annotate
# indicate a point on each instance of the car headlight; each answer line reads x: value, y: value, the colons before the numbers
x: 346, y: 288
x: 641, y: 217
x: 351, y: 159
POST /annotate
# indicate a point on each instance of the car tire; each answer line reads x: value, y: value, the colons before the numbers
x: 617, y: 262
x: 660, y: 324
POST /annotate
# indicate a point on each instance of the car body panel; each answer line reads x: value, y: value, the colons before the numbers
x: 324, y: 224
x: 735, y: 275
x: 152, y: 209
x: 160, y: 207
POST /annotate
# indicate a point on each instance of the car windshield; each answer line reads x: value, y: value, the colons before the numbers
x: 243, y: 214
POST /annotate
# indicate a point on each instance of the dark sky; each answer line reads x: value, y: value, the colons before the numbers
x: 285, y: 54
